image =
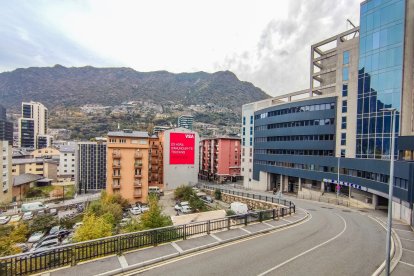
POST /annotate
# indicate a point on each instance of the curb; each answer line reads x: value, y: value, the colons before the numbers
x: 199, y: 248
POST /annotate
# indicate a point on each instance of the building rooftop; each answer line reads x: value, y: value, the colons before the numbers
x: 67, y: 148
x: 25, y: 179
x: 128, y: 133
x: 26, y: 161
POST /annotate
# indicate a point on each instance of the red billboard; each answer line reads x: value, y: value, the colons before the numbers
x: 182, y: 148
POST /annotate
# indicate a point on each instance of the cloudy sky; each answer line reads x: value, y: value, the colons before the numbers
x: 266, y: 42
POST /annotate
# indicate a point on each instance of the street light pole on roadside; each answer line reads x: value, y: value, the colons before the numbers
x: 390, y: 189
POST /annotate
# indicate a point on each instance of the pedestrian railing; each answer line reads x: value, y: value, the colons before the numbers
x: 36, y: 262
x: 273, y: 199
x: 330, y: 200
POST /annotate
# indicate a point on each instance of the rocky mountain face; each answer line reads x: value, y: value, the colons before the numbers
x: 60, y: 86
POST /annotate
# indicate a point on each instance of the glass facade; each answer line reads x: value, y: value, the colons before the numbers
x: 379, y: 75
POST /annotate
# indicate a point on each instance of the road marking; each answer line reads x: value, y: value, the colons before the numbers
x: 141, y: 270
x: 408, y: 250
x: 177, y: 247
x: 402, y: 229
x: 217, y: 238
x: 406, y: 239
x: 307, y: 251
x: 271, y: 226
x: 287, y: 220
x: 245, y: 230
x: 123, y: 261
x: 406, y: 263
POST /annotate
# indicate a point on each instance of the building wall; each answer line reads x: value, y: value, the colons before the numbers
x: 45, y: 153
x: 177, y: 175
x: 5, y: 173
x: 90, y: 168
x: 67, y: 164
x: 50, y: 170
x: 33, y: 167
x: 128, y: 165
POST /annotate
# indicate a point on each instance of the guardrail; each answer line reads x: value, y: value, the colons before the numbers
x: 36, y: 262
x: 289, y: 204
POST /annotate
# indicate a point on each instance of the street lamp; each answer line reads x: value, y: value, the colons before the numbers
x: 390, y: 189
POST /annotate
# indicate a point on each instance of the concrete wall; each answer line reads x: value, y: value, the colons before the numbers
x: 177, y: 175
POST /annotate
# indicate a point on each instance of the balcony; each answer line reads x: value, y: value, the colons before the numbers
x: 116, y: 166
x: 154, y: 161
x: 116, y: 155
x: 155, y: 146
x: 116, y: 186
x: 154, y: 168
x: 116, y: 176
x: 137, y: 184
x: 137, y: 194
x: 154, y: 154
x: 138, y: 175
x: 138, y: 155
x: 138, y: 165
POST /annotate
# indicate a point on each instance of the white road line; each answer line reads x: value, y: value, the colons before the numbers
x: 408, y: 250
x: 287, y: 220
x: 177, y: 247
x: 402, y: 230
x: 268, y: 224
x: 123, y: 261
x: 406, y: 239
x: 307, y: 251
x: 412, y: 265
x: 245, y: 230
x: 217, y: 238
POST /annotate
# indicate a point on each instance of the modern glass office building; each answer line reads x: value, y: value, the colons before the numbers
x: 336, y: 135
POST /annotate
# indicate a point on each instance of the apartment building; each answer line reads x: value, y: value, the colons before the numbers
x: 185, y: 121
x: 6, y: 127
x: 90, y: 167
x: 42, y: 167
x: 33, y: 124
x: 134, y: 162
x: 67, y: 162
x: 220, y: 159
x: 6, y: 173
x: 336, y: 135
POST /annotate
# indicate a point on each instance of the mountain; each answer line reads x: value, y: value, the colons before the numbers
x: 76, y: 86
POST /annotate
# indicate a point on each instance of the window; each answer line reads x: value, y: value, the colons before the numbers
x: 251, y: 141
x: 251, y: 120
x: 342, y: 153
x: 344, y: 106
x: 343, y: 126
x: 244, y: 120
x: 343, y: 139
x: 244, y: 131
x: 345, y: 74
x: 244, y: 141
x: 346, y: 57
x: 344, y: 90
x: 251, y: 130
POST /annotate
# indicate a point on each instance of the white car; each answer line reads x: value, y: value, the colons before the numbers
x: 124, y: 222
x: 4, y: 219
x: 35, y: 237
x: 186, y: 209
x: 28, y: 216
x: 15, y: 218
x: 178, y: 206
x: 135, y: 210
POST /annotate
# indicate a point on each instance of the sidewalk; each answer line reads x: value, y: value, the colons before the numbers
x: 135, y: 259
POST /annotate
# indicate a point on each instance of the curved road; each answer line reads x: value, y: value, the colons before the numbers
x: 333, y: 241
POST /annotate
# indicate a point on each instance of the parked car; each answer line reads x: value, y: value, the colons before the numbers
x: 45, y: 239
x: 207, y: 199
x: 28, y: 216
x: 35, y: 237
x: 239, y: 208
x: 15, y: 218
x: 124, y: 222
x: 77, y: 225
x: 54, y: 230
x: 135, y: 210
x: 53, y: 212
x: 178, y: 206
x: 155, y: 190
x: 41, y: 212
x: 4, y: 219
x: 186, y: 209
x: 144, y: 208
x: 33, y: 206
x: 46, y: 244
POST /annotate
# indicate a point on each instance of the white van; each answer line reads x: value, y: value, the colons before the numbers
x: 239, y: 208
x: 155, y: 190
x: 33, y: 206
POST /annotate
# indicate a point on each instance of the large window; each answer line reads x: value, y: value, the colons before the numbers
x: 346, y: 57
x: 344, y: 106
x: 345, y: 74
x: 344, y: 90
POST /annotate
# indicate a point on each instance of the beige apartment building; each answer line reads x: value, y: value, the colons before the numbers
x: 5, y: 173
x: 134, y: 162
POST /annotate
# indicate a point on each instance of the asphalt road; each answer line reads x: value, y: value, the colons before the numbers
x: 331, y: 242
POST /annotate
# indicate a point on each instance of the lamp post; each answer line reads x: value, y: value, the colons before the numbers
x: 390, y: 189
x: 337, y: 176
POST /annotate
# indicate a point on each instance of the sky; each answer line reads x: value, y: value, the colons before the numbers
x: 266, y: 42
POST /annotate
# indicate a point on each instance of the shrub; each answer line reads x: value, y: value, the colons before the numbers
x: 230, y: 212
x: 184, y: 193
x: 217, y: 194
x: 42, y: 223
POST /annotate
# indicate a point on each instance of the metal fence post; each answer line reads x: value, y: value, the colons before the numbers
x: 73, y: 256
x: 155, y: 237
x: 274, y: 213
x: 184, y: 232
x: 208, y: 227
x: 260, y: 216
x: 245, y: 219
x: 228, y: 223
x: 119, y: 243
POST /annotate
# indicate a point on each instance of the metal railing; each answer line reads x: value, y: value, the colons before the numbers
x: 289, y: 204
x: 36, y: 262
